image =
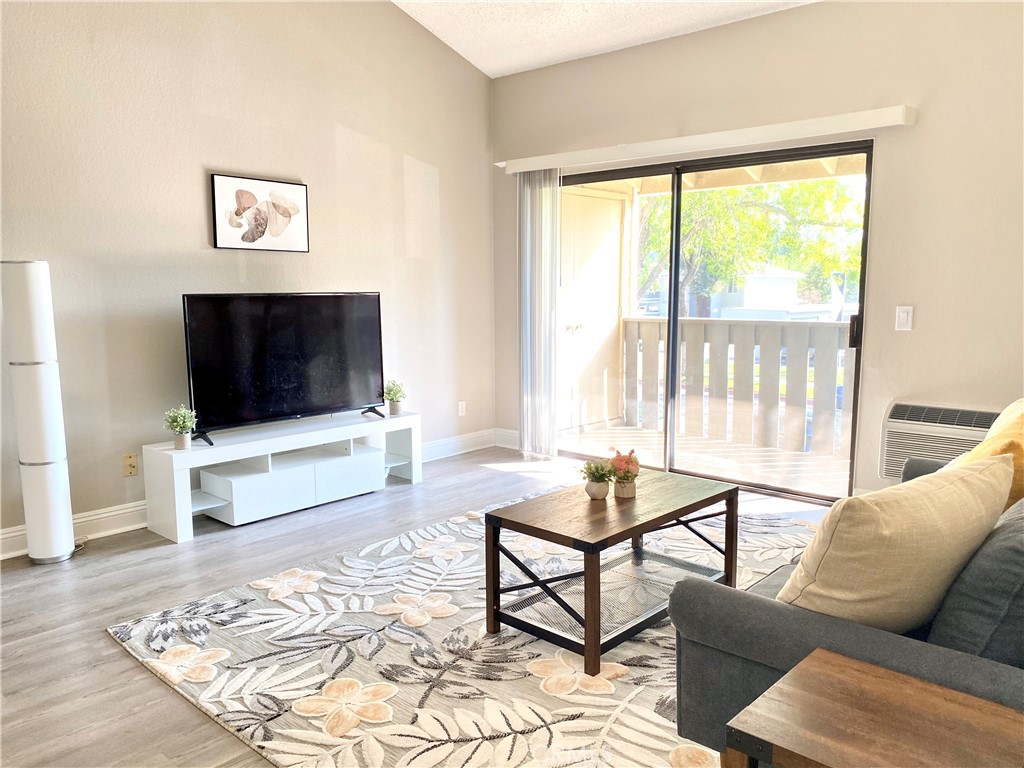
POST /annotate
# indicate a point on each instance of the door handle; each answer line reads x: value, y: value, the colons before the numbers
x: 856, y: 331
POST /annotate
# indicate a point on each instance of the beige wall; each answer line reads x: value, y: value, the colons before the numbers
x: 946, y: 208
x: 115, y: 114
x: 506, y: 300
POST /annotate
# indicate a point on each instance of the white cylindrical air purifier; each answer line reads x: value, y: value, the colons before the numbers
x: 30, y: 346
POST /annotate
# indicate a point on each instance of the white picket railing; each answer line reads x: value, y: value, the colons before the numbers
x: 790, y: 403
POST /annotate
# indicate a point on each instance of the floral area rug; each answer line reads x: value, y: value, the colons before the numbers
x: 379, y: 657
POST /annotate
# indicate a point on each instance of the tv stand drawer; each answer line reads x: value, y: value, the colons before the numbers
x: 255, y: 495
x: 341, y: 469
x: 286, y: 482
x: 340, y: 477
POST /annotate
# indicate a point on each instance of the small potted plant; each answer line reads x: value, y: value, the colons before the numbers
x: 625, y: 469
x: 181, y: 421
x: 598, y: 472
x: 394, y: 393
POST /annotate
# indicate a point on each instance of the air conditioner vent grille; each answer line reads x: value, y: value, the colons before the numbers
x: 900, y: 446
x: 948, y: 417
x: 929, y: 431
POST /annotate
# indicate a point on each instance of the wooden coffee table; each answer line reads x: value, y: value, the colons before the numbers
x: 565, y: 608
x: 831, y: 710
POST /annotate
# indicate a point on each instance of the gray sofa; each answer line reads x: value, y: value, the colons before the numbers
x: 732, y: 645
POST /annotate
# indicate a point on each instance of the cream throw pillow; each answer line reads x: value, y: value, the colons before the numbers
x: 887, y: 558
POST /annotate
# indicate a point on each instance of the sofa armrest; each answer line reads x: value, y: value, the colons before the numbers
x: 733, y: 646
x: 916, y: 466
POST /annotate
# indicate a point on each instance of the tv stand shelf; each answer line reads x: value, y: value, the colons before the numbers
x: 257, y: 472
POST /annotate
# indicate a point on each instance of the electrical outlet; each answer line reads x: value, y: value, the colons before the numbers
x: 462, y: 407
x: 130, y: 464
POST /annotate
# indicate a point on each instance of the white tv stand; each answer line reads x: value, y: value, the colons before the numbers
x: 257, y: 472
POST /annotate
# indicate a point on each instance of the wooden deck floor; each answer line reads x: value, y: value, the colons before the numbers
x: 805, y: 472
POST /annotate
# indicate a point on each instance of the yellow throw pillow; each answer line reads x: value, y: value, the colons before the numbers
x: 1006, y: 435
x: 887, y: 558
x: 997, y: 446
x: 1009, y: 423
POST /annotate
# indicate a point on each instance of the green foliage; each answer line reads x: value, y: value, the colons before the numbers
x: 811, y: 226
x: 394, y: 391
x: 655, y: 232
x: 180, y: 420
x: 598, y: 471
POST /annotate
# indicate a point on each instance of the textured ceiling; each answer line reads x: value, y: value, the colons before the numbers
x: 502, y: 38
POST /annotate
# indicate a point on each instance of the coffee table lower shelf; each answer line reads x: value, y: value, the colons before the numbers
x: 635, y: 586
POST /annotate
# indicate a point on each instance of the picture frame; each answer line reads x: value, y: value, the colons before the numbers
x: 259, y: 214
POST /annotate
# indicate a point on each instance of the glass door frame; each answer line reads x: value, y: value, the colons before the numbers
x: 677, y: 170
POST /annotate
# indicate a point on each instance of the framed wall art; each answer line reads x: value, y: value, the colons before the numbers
x: 259, y: 214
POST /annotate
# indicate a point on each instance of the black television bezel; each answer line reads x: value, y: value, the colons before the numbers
x: 200, y: 429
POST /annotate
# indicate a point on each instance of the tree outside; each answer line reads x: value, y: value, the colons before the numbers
x: 811, y: 226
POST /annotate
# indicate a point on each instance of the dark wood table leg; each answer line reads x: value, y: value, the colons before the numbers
x: 493, y: 573
x: 592, y: 612
x: 638, y: 541
x: 732, y: 533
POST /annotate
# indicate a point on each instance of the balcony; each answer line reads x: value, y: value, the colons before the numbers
x: 759, y: 401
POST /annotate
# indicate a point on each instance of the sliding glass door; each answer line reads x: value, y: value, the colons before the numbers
x: 758, y: 261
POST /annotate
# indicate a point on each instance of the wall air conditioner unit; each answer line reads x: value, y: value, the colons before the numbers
x: 930, y: 432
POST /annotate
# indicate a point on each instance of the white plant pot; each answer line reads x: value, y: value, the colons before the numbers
x: 394, y: 407
x: 625, y: 490
x: 183, y: 442
x: 597, y: 491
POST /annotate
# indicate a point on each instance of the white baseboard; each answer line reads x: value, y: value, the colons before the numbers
x: 13, y: 542
x: 507, y: 438
x: 132, y: 516
x: 453, y: 446
x: 94, y: 525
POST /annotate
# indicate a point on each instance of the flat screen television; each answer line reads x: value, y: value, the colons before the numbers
x: 259, y: 357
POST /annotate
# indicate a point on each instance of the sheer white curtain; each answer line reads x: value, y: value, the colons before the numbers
x: 538, y: 283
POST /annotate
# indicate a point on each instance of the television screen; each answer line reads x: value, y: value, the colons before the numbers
x: 269, y: 356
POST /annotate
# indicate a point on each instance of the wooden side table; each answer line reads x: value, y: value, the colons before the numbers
x: 830, y: 710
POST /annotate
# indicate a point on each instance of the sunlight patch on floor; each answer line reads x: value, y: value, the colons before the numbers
x: 556, y: 470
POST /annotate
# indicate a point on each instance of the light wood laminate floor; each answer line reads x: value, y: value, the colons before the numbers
x: 72, y: 697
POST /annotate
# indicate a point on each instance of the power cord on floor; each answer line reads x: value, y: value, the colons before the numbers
x: 79, y: 543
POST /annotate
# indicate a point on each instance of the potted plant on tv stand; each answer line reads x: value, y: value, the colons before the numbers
x: 181, y: 421
x: 394, y: 393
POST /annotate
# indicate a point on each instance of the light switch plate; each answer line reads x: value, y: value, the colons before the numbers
x: 904, y: 318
